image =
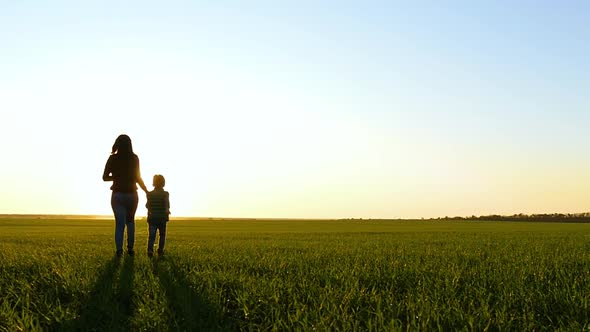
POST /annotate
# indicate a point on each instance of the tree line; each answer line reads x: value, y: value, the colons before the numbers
x: 583, y: 217
x: 547, y: 217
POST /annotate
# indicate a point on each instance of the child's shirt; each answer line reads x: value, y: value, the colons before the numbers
x: 158, y: 205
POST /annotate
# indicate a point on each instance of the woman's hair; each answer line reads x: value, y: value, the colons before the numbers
x: 122, y: 145
x: 159, y: 181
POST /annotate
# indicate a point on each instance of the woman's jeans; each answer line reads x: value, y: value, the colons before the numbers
x: 124, y: 207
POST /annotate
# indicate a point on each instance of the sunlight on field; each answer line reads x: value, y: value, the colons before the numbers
x: 284, y: 275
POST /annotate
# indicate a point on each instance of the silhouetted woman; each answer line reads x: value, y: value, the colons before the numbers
x: 123, y: 169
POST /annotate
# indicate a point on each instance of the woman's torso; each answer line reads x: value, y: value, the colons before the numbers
x: 125, y: 170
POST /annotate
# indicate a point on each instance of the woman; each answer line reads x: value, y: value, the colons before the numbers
x: 123, y: 169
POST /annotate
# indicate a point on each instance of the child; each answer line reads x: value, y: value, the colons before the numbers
x: 158, y: 205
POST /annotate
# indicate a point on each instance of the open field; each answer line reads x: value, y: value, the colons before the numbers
x: 283, y: 275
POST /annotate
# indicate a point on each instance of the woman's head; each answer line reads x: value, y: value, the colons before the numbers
x: 122, y: 145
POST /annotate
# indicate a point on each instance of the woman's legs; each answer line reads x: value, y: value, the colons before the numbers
x: 120, y: 217
x: 130, y: 220
x: 124, y: 206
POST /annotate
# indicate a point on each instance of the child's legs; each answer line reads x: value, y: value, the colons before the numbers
x: 162, y: 242
x: 151, y: 237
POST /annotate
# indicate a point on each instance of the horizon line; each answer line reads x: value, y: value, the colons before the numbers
x: 108, y: 216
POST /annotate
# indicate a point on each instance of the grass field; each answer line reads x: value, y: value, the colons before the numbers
x: 297, y: 275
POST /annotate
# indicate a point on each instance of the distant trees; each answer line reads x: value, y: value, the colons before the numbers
x: 583, y: 217
x: 547, y: 217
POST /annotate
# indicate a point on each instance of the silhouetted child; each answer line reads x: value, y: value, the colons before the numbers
x: 158, y: 205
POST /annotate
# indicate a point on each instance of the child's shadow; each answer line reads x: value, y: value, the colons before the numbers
x: 191, y: 311
x: 109, y: 305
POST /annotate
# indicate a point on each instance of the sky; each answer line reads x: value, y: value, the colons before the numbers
x: 299, y: 109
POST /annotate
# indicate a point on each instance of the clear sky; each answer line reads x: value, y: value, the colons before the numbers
x: 299, y: 108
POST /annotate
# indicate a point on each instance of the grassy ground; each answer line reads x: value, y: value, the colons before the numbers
x: 285, y: 275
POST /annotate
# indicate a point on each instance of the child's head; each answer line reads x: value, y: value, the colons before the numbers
x: 159, y: 181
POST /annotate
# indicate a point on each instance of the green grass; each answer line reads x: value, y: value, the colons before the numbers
x: 297, y: 275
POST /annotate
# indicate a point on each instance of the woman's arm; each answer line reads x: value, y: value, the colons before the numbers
x: 141, y: 184
x: 139, y: 180
x: 106, y: 174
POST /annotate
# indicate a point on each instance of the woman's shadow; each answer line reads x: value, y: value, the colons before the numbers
x: 109, y: 305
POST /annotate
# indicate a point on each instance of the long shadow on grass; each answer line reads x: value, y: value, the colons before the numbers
x: 189, y: 307
x: 109, y: 305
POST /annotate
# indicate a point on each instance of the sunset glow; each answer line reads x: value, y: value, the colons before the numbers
x: 299, y: 110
